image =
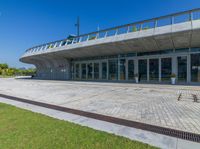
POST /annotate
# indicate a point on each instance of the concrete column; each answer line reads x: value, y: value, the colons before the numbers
x: 136, y: 66
x: 189, y: 68
x: 174, y: 65
x: 147, y: 70
x: 100, y: 70
x: 80, y: 71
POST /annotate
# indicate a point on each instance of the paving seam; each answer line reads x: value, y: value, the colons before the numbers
x: 138, y: 125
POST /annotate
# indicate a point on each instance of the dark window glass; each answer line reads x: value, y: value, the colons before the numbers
x: 83, y: 71
x: 182, y: 68
x: 142, y: 64
x: 195, y: 67
x: 104, y: 70
x: 77, y: 71
x: 89, y: 71
x: 166, y: 69
x: 113, y: 69
x: 131, y: 69
x: 122, y: 69
x: 96, y: 70
x: 153, y: 69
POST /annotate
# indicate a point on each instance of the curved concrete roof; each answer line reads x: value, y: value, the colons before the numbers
x: 185, y: 34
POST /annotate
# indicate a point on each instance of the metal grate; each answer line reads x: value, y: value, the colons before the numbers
x: 157, y: 129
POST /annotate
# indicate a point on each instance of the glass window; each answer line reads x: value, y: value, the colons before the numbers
x: 142, y: 67
x: 195, y: 67
x: 153, y: 69
x: 83, y: 71
x: 131, y: 69
x: 182, y: 18
x: 166, y: 69
x: 96, y: 70
x: 182, y: 50
x: 122, y: 69
x: 182, y: 68
x: 113, y: 69
x: 104, y: 70
x: 89, y: 71
x: 77, y: 71
x: 196, y: 15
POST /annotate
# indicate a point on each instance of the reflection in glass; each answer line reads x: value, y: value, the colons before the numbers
x: 83, y: 71
x: 113, y: 69
x: 89, y: 71
x: 104, y: 70
x: 153, y: 69
x: 142, y: 67
x: 195, y: 67
x: 166, y: 69
x: 77, y: 71
x: 131, y: 69
x: 122, y: 69
x: 182, y: 68
x: 96, y: 70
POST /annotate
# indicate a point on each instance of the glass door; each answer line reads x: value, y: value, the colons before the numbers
x: 96, y: 71
x: 77, y: 72
x: 153, y: 69
x: 104, y: 70
x: 166, y: 69
x: 122, y: 69
x: 113, y: 69
x: 182, y: 68
x: 83, y: 71
x: 130, y: 69
x: 89, y: 71
x: 195, y: 67
x: 142, y: 67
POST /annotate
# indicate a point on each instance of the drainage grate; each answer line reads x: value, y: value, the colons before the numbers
x: 179, y: 97
x: 157, y: 129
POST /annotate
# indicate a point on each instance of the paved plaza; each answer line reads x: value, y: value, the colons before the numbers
x: 148, y: 103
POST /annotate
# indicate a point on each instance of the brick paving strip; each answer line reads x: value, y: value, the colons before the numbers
x: 156, y: 129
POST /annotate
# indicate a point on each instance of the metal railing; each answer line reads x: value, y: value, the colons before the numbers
x: 124, y: 29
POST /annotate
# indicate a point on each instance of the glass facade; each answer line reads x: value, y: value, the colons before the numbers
x: 96, y: 71
x: 83, y: 71
x: 89, y: 71
x: 77, y: 71
x: 182, y: 68
x: 131, y: 69
x: 195, y: 67
x: 113, y: 69
x: 122, y: 69
x: 149, y: 68
x: 142, y: 68
x: 104, y: 70
x: 153, y: 69
x: 166, y: 69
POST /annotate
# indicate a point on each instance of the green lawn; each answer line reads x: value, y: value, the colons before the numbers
x: 22, y: 129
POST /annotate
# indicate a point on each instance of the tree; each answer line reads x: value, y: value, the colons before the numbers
x: 4, y: 66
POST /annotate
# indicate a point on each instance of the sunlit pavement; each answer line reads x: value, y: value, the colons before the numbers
x: 152, y: 104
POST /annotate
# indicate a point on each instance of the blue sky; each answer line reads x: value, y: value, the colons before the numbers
x: 26, y: 23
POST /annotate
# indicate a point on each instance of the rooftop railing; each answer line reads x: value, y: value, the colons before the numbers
x: 124, y: 29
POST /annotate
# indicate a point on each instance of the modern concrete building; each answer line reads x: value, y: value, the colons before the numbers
x: 154, y: 49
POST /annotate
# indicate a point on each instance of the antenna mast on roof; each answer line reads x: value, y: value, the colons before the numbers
x: 78, y: 26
